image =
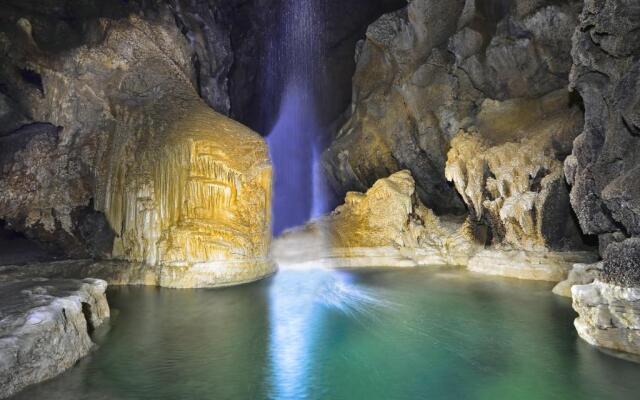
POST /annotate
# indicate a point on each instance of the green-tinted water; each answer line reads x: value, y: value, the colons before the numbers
x: 409, y: 334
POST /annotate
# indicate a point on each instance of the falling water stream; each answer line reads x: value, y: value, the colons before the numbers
x: 295, y: 141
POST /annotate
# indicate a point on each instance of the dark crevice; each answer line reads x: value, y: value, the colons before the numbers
x: 631, y: 128
x: 535, y: 182
x: 32, y: 78
x: 86, y: 310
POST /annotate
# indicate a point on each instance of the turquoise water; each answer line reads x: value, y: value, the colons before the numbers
x: 399, y: 334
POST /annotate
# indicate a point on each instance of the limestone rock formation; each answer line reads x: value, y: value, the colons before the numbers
x: 386, y: 226
x: 424, y: 73
x: 608, y: 316
x: 389, y: 226
x: 550, y: 266
x: 44, y: 327
x: 580, y: 274
x: 132, y: 163
x: 511, y: 177
x: 508, y: 170
x: 604, y: 170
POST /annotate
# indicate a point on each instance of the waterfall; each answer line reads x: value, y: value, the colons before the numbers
x: 295, y: 67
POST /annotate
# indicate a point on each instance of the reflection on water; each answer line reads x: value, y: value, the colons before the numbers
x: 298, y: 299
x: 317, y: 334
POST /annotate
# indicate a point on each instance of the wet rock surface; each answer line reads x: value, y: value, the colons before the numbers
x: 45, y: 326
x: 389, y: 226
x: 609, y: 316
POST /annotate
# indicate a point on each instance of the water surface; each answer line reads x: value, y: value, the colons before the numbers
x: 388, y: 334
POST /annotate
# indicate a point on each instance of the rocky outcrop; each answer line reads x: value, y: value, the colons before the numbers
x: 550, y: 266
x: 508, y: 171
x: 386, y: 226
x: 389, y: 226
x: 603, y: 169
x: 608, y: 316
x: 511, y: 178
x: 132, y: 163
x: 580, y: 274
x: 45, y: 326
x: 427, y: 71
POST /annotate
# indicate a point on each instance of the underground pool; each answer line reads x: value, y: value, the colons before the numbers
x: 322, y: 334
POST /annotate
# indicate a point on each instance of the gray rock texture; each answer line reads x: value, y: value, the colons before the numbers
x: 45, y: 326
x: 207, y: 26
x: 604, y: 168
x: 55, y: 172
x: 422, y: 75
x: 609, y: 317
x: 78, y: 106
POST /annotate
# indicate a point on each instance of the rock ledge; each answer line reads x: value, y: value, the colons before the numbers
x: 45, y: 326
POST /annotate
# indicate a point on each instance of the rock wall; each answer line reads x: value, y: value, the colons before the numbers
x: 511, y: 177
x: 131, y: 162
x: 603, y: 169
x: 424, y: 72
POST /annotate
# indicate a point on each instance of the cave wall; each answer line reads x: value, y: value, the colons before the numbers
x: 259, y: 73
x: 59, y: 110
x: 102, y: 110
x: 472, y: 98
x: 604, y: 168
x: 422, y: 75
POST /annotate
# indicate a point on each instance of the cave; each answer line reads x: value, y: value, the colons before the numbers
x: 322, y: 199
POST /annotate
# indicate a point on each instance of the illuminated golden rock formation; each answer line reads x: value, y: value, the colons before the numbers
x: 509, y: 172
x: 196, y: 201
x: 386, y: 226
x: 168, y: 181
x: 187, y: 190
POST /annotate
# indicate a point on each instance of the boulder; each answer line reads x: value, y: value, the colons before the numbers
x: 580, y: 274
x: 608, y: 316
x: 45, y: 326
